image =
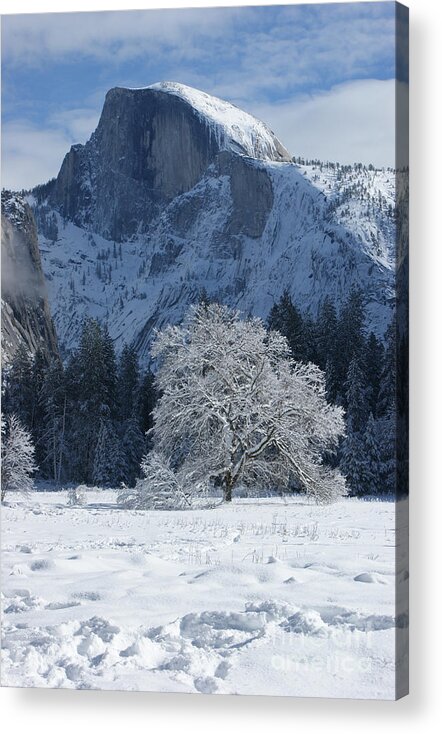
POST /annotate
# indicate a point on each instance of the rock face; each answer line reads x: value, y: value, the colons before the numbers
x: 177, y: 192
x: 150, y: 146
x: 26, y: 316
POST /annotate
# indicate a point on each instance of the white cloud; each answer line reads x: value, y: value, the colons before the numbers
x: 352, y: 122
x: 110, y: 36
x: 78, y: 124
x: 31, y: 156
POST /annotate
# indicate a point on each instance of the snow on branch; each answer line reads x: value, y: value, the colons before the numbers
x: 236, y: 409
x: 17, y: 453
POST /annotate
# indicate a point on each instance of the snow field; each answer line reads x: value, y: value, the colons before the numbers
x: 263, y: 596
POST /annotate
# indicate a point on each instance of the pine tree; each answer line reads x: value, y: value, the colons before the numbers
x: 387, y: 412
x: 128, y: 384
x: 374, y: 356
x: 333, y: 384
x: 350, y: 342
x: 387, y: 384
x: 309, y: 340
x: 109, y: 372
x: 54, y: 401
x: 356, y: 403
x: 133, y: 446
x: 91, y: 384
x: 18, y: 387
x: 352, y: 463
x: 287, y: 319
x: 327, y: 327
x: 108, y: 467
x: 39, y: 369
x: 372, y: 461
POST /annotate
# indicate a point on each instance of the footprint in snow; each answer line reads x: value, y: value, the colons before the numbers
x: 54, y: 605
x: 41, y: 565
x: 370, y: 578
x: 290, y: 580
x: 88, y: 595
x: 25, y: 549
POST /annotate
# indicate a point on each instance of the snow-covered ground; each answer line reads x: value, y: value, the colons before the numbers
x: 265, y: 596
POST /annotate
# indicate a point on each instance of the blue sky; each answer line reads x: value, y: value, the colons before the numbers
x: 322, y: 76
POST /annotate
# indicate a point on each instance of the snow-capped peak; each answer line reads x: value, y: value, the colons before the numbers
x: 234, y: 129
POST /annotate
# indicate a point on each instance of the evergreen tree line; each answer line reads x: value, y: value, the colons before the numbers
x: 360, y: 372
x: 88, y: 420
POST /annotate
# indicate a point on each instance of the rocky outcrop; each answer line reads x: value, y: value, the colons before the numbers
x: 150, y: 146
x: 251, y: 192
x: 26, y: 317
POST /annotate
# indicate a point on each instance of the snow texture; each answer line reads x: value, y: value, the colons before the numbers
x: 259, y: 597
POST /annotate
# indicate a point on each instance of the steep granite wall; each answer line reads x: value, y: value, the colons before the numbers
x: 26, y: 317
x: 148, y: 148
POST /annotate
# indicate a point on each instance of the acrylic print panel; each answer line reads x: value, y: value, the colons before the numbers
x: 204, y: 345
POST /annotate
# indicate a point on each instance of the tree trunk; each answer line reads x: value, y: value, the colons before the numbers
x: 227, y: 488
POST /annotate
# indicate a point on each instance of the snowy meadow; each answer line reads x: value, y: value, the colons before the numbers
x: 257, y: 596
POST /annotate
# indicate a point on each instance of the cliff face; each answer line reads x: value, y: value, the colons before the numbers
x: 26, y: 317
x: 150, y: 146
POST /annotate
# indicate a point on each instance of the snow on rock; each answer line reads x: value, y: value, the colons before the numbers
x: 172, y: 601
x: 233, y: 128
x: 198, y: 242
x: 26, y: 319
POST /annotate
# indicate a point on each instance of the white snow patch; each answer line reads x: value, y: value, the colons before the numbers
x: 173, y: 601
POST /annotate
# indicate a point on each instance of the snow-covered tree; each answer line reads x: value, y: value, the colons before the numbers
x: 160, y: 488
x: 17, y: 453
x: 236, y: 408
x: 77, y: 495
